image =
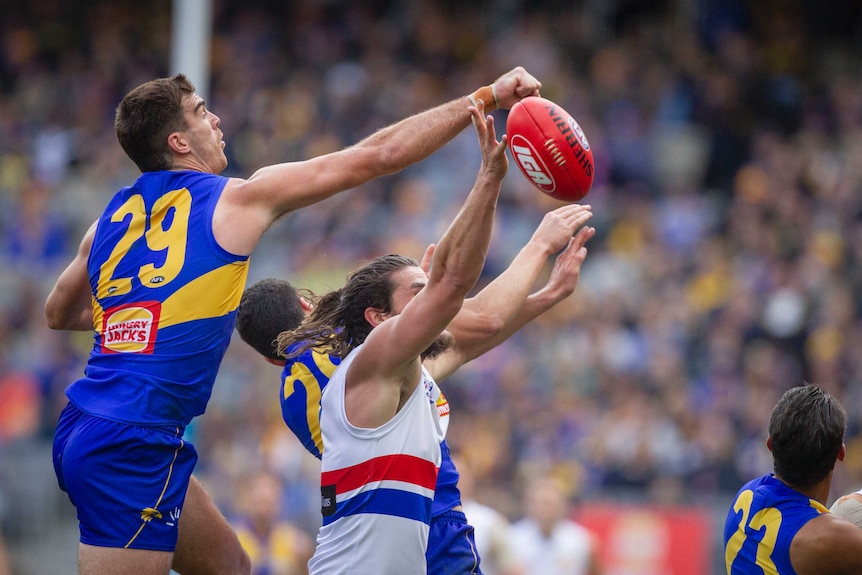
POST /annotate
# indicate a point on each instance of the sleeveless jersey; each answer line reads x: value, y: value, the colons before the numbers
x: 377, y: 485
x: 165, y: 296
x: 304, y: 378
x: 762, y: 522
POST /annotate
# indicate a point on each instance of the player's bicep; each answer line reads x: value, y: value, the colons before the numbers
x: 473, y: 327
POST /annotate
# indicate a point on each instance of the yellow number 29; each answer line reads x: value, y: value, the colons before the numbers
x: 171, y: 239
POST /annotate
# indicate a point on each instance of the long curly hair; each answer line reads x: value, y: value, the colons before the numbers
x: 338, y: 324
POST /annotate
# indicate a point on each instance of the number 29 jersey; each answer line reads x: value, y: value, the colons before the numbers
x: 762, y: 522
x: 165, y: 296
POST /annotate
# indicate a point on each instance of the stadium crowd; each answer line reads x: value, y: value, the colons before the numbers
x: 727, y: 201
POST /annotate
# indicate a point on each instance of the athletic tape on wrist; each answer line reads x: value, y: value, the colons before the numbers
x: 488, y: 95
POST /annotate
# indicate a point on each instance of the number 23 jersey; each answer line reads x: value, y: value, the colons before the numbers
x: 762, y: 522
x: 165, y: 296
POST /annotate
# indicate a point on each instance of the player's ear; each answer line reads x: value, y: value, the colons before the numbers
x: 769, y: 443
x: 842, y: 452
x: 374, y: 316
x: 307, y: 306
x: 178, y: 142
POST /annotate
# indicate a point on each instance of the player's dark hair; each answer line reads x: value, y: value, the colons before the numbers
x: 806, y: 431
x: 266, y: 309
x: 338, y: 324
x: 147, y: 116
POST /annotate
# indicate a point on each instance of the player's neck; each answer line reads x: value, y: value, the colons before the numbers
x: 818, y: 492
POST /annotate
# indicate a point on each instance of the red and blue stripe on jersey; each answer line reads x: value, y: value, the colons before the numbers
x: 398, y: 485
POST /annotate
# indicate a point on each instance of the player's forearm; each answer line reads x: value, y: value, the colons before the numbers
x: 501, y: 299
x: 534, y: 306
x: 387, y: 151
x: 84, y: 321
x: 460, y: 254
x: 417, y: 137
x: 73, y: 317
x: 69, y: 305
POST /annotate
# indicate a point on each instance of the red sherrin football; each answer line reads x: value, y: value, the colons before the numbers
x: 550, y: 149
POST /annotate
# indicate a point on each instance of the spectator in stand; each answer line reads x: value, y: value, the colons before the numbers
x: 274, y: 545
x: 493, y: 529
x: 546, y: 540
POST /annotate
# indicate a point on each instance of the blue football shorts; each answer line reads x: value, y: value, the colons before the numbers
x: 127, y: 482
x: 451, y: 546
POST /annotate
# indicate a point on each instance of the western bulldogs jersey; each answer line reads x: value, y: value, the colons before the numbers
x: 304, y: 378
x: 377, y: 484
x: 765, y: 516
x: 165, y: 296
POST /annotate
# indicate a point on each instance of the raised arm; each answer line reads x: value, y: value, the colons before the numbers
x: 502, y: 307
x: 392, y: 348
x: 275, y: 190
x: 69, y: 305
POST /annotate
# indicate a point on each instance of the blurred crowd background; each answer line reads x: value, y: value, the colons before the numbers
x: 728, y: 205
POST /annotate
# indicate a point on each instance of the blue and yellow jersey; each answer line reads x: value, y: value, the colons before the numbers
x: 165, y: 296
x: 303, y: 380
x: 762, y: 522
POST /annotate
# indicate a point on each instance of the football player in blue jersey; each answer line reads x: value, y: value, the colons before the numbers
x: 157, y: 279
x: 485, y: 320
x: 778, y: 523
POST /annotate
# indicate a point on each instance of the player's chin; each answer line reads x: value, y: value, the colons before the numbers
x: 443, y: 343
x: 222, y: 163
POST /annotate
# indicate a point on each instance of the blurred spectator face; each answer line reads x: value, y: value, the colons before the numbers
x: 261, y: 498
x: 546, y: 503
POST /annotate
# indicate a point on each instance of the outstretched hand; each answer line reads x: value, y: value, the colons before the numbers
x: 494, y: 159
x: 425, y: 263
x: 567, y: 267
x: 558, y: 226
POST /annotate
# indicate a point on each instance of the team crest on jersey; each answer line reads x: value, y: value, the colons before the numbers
x: 150, y: 513
x: 131, y: 328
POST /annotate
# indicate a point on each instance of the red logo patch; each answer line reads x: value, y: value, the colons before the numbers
x: 131, y: 328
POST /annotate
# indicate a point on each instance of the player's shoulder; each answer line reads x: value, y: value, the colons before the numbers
x: 827, y: 544
x: 829, y: 527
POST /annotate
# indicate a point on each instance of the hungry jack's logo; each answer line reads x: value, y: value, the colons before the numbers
x: 131, y: 328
